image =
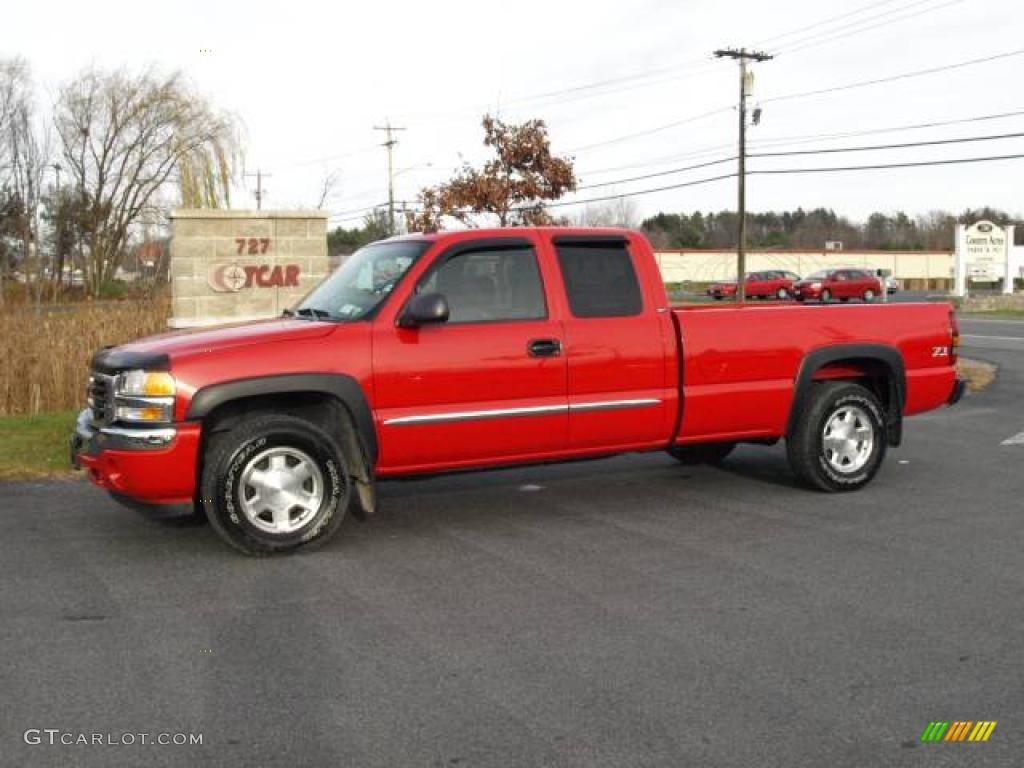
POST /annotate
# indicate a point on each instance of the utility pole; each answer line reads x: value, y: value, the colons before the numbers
x: 258, y: 194
x: 742, y: 55
x: 389, y: 131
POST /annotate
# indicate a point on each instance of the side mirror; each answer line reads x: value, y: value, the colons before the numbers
x: 424, y: 309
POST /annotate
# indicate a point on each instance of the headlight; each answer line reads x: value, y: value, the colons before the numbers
x: 144, y: 397
x: 815, y: 286
x: 145, y: 384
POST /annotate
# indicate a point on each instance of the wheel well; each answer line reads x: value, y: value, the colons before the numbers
x: 878, y: 375
x: 874, y: 374
x: 319, y: 408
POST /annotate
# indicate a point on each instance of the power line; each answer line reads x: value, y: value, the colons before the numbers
x: 648, y: 132
x: 659, y: 173
x: 903, y: 145
x: 882, y: 166
x: 836, y: 169
x: 562, y: 203
x: 324, y: 159
x: 782, y: 141
x: 803, y: 139
x: 816, y: 40
x: 870, y: 6
x: 697, y: 153
x: 893, y: 78
x: 829, y: 150
x: 857, y: 26
x: 682, y: 67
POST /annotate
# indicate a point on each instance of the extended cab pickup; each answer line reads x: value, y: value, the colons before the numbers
x: 482, y: 348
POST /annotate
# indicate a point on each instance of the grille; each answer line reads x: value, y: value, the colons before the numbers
x: 101, y: 398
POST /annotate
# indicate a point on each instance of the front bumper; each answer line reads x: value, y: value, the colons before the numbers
x: 801, y: 292
x: 157, y: 466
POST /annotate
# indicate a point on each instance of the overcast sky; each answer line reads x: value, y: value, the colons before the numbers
x: 309, y: 80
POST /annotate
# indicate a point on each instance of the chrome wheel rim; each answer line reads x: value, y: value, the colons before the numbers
x: 869, y: 295
x: 783, y: 293
x: 281, y: 490
x: 848, y: 439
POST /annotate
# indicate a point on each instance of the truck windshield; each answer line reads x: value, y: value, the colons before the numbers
x: 366, y: 278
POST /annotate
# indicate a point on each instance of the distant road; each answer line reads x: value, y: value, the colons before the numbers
x: 995, y: 333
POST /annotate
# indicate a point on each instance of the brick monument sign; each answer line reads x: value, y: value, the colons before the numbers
x: 231, y: 266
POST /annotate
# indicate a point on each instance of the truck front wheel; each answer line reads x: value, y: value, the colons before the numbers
x: 706, y: 453
x: 839, y: 440
x: 274, y: 483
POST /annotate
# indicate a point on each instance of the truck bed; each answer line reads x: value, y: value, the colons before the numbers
x: 741, y: 363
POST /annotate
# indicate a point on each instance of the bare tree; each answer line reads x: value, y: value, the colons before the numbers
x: 327, y: 186
x: 127, y: 138
x: 26, y: 154
x: 620, y: 212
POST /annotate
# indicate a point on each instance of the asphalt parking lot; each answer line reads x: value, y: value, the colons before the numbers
x: 624, y: 612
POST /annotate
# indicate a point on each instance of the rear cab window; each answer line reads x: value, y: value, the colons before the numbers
x: 600, y: 278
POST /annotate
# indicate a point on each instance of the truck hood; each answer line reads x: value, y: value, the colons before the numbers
x: 157, y: 352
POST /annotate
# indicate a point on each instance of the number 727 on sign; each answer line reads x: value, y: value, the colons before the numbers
x: 252, y: 246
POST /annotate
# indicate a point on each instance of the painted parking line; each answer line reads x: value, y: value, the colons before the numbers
x: 993, y: 338
x: 1017, y: 439
x: 967, y: 319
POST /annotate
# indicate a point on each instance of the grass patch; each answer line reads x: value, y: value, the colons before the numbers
x: 35, y: 446
x: 978, y: 374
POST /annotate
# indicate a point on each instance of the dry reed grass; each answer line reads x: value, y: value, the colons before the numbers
x: 44, y: 356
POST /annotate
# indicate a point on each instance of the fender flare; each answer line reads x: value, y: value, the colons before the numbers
x: 889, y: 356
x: 345, y: 388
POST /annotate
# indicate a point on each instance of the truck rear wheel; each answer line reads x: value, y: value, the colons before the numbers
x: 274, y: 483
x: 839, y: 440
x: 706, y: 453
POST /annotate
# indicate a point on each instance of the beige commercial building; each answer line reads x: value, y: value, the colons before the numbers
x: 230, y: 266
x: 914, y: 269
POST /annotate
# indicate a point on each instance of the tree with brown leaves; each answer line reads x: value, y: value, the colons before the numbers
x: 513, y: 187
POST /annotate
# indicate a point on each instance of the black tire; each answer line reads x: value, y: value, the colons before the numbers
x: 805, y: 446
x: 227, y: 455
x: 826, y: 296
x: 701, y: 453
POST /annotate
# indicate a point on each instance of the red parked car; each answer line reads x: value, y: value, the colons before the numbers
x: 484, y: 348
x: 842, y: 284
x: 772, y: 283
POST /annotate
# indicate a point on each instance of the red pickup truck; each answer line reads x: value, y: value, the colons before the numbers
x: 483, y: 348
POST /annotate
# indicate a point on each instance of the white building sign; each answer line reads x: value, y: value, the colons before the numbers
x: 986, y: 251
x: 983, y: 254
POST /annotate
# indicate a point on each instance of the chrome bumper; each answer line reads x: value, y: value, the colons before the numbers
x: 89, y: 440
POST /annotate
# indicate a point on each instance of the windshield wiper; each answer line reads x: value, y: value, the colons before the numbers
x: 313, y: 313
x: 288, y: 313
